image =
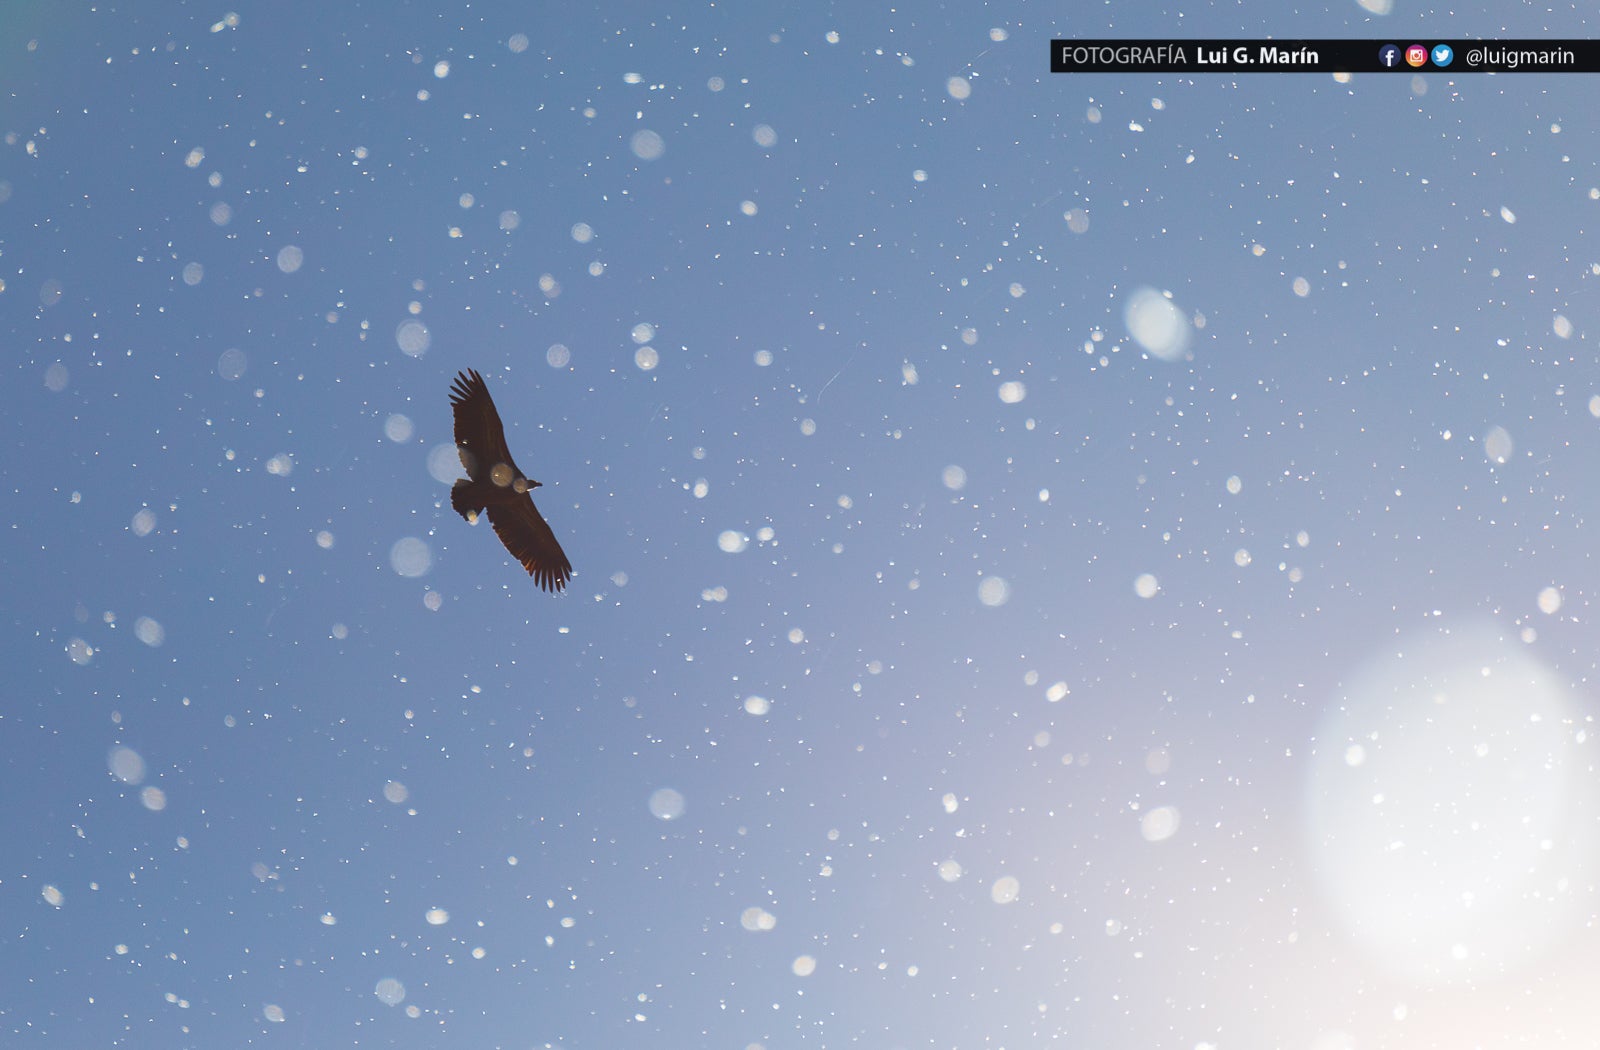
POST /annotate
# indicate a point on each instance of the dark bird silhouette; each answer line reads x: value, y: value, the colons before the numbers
x: 496, y: 484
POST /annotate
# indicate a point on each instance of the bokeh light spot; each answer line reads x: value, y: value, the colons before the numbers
x: 411, y: 556
x: 149, y: 631
x: 390, y: 992
x: 1005, y: 890
x: 444, y: 464
x: 413, y: 337
x: 647, y: 145
x: 1445, y: 812
x: 994, y: 591
x: 666, y: 804
x: 1159, y: 824
x: 1156, y: 324
x: 231, y: 364
x: 1497, y: 445
x: 126, y: 764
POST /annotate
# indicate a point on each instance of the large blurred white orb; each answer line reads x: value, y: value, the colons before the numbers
x: 1450, y: 815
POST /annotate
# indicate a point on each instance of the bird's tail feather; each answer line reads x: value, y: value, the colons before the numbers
x: 465, y: 500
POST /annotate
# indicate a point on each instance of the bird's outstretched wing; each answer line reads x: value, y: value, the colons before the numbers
x: 529, y: 539
x: 480, y: 436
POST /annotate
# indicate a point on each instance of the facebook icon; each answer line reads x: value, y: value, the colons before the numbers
x: 1389, y: 55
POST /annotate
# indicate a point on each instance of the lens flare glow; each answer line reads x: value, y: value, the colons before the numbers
x: 1156, y: 324
x: 1446, y: 807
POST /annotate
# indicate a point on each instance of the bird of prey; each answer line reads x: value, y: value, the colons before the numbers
x: 496, y: 484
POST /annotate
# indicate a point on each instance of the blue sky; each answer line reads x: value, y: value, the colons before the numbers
x: 955, y: 658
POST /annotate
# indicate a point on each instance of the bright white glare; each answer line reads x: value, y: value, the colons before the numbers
x: 1446, y: 807
x: 1156, y: 324
x: 1159, y: 824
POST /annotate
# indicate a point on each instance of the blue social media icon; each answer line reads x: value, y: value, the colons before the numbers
x: 1389, y: 55
x: 1442, y: 55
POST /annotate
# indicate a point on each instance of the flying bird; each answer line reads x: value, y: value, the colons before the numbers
x: 496, y: 484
